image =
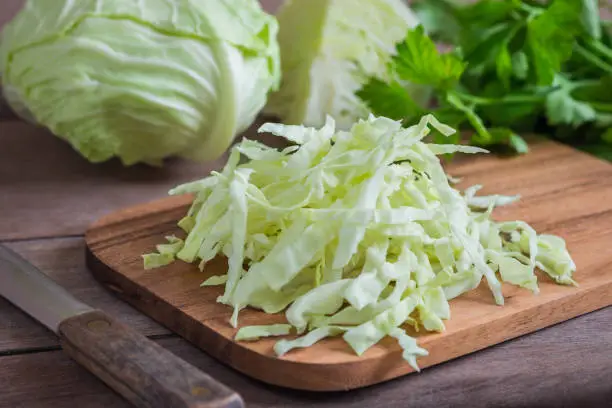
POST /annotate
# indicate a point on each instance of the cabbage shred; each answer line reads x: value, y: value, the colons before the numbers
x: 354, y: 233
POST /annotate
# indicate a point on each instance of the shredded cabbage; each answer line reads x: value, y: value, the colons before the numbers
x: 256, y: 332
x: 354, y: 233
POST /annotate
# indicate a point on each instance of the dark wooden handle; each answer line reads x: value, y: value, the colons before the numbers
x: 142, y: 371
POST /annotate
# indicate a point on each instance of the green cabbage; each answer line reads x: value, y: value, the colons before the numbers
x: 354, y: 233
x: 141, y: 79
x: 329, y: 48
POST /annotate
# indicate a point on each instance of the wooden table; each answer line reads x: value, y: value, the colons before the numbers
x: 48, y: 196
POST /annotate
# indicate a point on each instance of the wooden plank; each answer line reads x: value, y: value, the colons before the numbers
x: 63, y: 260
x: 567, y: 365
x: 564, y: 192
x: 49, y: 190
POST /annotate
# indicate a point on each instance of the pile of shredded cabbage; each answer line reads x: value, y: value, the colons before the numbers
x: 354, y: 233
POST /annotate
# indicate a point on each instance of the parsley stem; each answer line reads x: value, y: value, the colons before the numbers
x: 478, y: 100
x: 593, y: 59
x: 600, y: 47
x: 601, y: 106
x: 528, y: 8
x: 484, y: 137
x: 585, y: 82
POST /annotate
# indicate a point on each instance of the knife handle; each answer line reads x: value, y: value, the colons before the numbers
x: 145, y: 373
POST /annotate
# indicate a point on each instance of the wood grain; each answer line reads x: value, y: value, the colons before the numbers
x: 51, y: 191
x: 564, y: 192
x: 142, y: 371
x: 64, y: 261
x: 562, y: 366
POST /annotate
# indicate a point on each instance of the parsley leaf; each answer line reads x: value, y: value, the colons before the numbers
x: 419, y: 62
x: 451, y: 117
x: 595, y: 91
x: 503, y: 63
x: 520, y: 65
x: 486, y: 12
x: 551, y: 38
x: 562, y: 108
x: 389, y: 99
x: 518, y: 115
x: 487, y: 47
x: 505, y: 136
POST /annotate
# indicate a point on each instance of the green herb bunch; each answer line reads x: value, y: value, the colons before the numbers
x: 514, y: 66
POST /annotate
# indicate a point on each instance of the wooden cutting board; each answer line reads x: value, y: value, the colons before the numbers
x: 564, y: 192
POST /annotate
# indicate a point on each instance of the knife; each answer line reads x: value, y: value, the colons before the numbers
x: 145, y: 373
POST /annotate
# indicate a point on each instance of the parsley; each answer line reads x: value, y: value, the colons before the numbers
x: 563, y: 108
x: 389, y: 99
x: 551, y: 36
x: 514, y: 66
x: 418, y: 61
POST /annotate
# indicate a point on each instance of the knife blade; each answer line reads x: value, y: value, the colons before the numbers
x: 145, y: 373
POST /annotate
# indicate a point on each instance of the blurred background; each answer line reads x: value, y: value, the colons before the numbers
x: 8, y: 8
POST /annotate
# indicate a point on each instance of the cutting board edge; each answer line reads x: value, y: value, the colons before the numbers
x: 243, y: 359
x: 168, y: 203
x: 303, y: 375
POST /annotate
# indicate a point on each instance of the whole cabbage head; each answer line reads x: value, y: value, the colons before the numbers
x: 141, y: 79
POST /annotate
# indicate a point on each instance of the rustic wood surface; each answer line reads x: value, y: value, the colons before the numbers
x: 513, y: 374
x: 577, y: 207
x: 53, y: 193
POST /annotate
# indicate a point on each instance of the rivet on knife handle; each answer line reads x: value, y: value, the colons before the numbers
x: 142, y: 371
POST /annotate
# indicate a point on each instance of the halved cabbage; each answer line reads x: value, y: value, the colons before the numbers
x: 329, y: 48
